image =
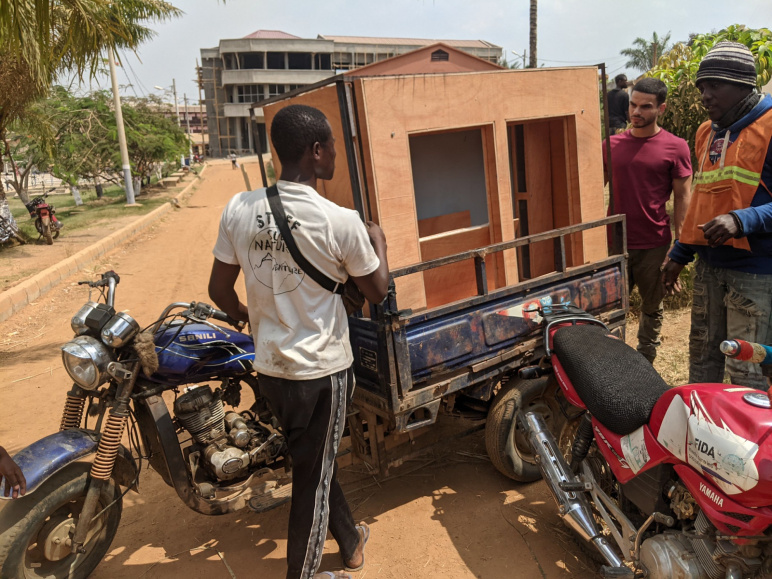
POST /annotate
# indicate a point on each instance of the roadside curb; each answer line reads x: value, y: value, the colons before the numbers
x: 14, y: 299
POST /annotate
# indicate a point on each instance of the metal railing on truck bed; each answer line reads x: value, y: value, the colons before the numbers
x: 406, y: 361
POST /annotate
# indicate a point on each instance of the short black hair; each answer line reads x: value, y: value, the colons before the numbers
x: 295, y: 129
x: 620, y: 78
x: 652, y: 86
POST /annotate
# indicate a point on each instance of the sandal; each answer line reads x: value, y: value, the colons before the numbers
x: 332, y: 575
x: 364, y: 535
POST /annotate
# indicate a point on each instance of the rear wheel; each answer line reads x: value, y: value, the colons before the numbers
x: 36, y: 531
x: 518, y: 395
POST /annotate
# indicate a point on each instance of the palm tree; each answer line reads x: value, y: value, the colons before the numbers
x: 644, y: 53
x: 43, y: 39
x: 532, y: 34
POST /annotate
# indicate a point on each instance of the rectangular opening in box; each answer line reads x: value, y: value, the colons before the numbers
x: 545, y: 191
x: 452, y: 176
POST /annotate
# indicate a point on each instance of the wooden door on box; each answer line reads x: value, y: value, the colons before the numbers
x: 545, y: 188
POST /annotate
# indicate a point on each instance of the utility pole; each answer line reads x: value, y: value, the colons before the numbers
x: 177, y: 114
x: 187, y: 123
x: 121, y: 131
x: 176, y: 104
x: 200, y: 78
x: 532, y: 34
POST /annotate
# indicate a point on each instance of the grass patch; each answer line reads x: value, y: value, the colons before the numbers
x: 93, y: 210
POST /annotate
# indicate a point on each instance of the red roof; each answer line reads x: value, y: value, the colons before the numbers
x: 270, y: 34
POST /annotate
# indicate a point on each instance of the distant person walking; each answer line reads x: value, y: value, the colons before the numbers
x: 232, y: 157
x: 729, y: 220
x: 648, y: 164
x: 618, y: 104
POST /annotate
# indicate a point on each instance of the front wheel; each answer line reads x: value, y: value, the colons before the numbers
x: 46, y: 225
x: 36, y: 531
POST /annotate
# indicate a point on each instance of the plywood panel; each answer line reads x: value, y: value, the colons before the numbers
x: 566, y: 202
x: 539, y: 191
x: 443, y: 223
x: 453, y: 242
x: 397, y: 106
x: 367, y: 158
x: 338, y: 189
x: 456, y: 281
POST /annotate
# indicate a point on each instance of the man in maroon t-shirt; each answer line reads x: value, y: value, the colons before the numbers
x: 648, y: 163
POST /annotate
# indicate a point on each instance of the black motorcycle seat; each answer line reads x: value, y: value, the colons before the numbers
x: 617, y: 384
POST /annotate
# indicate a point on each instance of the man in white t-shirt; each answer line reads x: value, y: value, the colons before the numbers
x: 302, y: 352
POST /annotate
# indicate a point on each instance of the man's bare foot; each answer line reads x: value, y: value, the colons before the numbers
x: 357, y: 560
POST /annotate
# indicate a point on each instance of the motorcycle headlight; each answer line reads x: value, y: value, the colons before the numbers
x: 86, y: 360
x: 78, y: 322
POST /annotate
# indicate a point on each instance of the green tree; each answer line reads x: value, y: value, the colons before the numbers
x: 678, y: 70
x: 29, y: 145
x: 42, y: 39
x: 643, y: 54
x: 152, y: 136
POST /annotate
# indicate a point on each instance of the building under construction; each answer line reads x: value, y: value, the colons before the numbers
x: 240, y: 72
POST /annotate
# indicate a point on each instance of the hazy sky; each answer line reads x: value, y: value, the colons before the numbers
x: 570, y: 31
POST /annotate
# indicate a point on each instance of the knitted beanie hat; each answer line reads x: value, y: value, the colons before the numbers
x: 728, y: 62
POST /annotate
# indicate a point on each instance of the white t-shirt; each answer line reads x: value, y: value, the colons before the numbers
x: 300, y: 329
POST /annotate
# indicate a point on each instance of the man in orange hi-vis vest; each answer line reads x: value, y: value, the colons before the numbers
x: 728, y: 224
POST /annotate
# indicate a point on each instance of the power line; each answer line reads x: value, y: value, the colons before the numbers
x: 142, y: 87
x: 128, y: 81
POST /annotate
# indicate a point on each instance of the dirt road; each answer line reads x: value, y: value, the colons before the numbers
x: 449, y: 514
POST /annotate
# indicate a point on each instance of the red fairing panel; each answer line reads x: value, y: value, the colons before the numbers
x: 727, y: 515
x: 631, y: 454
x: 723, y: 438
x: 566, y: 385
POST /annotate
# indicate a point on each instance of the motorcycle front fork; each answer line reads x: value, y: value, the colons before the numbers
x: 104, y: 461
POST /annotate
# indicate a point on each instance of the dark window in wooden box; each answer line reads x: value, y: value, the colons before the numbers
x: 439, y: 55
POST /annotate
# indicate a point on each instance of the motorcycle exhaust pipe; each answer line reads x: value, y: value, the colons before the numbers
x: 567, y: 489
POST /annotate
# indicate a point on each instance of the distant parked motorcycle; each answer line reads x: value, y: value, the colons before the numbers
x: 44, y: 214
x: 216, y: 460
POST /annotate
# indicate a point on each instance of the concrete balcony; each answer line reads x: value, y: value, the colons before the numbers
x: 236, y: 109
x: 276, y: 45
x: 261, y: 76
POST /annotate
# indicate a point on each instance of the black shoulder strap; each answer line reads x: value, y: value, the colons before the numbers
x: 277, y: 208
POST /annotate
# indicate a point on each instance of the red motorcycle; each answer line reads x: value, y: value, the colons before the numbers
x: 46, y: 223
x: 663, y: 482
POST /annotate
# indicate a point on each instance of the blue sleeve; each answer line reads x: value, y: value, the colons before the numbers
x: 681, y: 253
x: 758, y: 217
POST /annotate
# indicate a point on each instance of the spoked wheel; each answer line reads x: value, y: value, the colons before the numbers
x: 515, y: 396
x: 47, y: 231
x: 601, y: 472
x: 36, y: 531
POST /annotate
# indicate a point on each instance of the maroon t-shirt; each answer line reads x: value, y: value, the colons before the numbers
x: 643, y: 171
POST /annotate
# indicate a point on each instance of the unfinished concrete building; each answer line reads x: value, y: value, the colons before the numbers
x: 239, y: 72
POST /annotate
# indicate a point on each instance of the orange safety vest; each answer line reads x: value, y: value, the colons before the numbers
x: 728, y: 184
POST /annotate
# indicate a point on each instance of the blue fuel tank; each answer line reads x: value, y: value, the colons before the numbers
x: 196, y: 353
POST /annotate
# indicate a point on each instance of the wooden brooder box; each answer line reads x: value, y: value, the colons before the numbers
x: 446, y: 163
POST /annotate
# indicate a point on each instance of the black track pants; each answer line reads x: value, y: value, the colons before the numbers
x: 312, y: 414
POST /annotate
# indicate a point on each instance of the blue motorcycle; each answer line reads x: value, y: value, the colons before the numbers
x: 217, y: 460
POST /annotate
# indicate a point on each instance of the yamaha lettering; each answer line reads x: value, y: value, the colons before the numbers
x: 711, y: 495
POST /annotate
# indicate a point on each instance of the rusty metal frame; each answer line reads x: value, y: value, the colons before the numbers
x: 392, y: 322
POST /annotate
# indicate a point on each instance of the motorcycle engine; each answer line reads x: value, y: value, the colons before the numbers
x: 229, y: 443
x: 698, y: 556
